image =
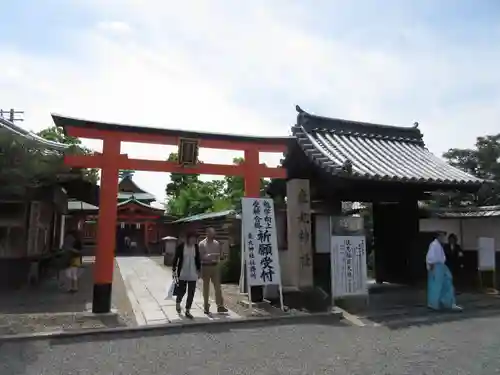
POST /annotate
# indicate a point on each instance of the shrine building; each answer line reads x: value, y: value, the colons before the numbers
x: 140, y: 224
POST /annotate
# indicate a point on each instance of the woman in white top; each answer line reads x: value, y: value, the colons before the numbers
x: 440, y: 291
x: 186, y: 267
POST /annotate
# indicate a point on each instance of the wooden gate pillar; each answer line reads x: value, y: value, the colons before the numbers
x: 252, y: 175
x: 106, y: 229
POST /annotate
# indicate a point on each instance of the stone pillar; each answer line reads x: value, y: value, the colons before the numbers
x: 299, y: 232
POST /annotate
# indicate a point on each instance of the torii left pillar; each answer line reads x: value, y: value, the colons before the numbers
x: 106, y: 227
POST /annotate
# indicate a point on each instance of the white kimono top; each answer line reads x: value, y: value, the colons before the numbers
x: 435, y: 254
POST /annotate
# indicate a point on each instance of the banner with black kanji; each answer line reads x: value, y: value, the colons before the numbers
x: 260, y: 242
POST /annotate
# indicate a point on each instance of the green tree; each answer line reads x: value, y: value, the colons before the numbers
x: 56, y: 134
x: 187, y: 195
x: 22, y: 167
x: 483, y: 161
x: 197, y: 198
x: 178, y: 181
x: 235, y: 186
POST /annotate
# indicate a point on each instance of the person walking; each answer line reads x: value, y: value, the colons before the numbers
x: 73, y: 248
x: 186, y: 268
x: 211, y: 252
x: 440, y: 291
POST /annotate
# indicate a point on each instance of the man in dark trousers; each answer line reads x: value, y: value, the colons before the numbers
x: 455, y: 259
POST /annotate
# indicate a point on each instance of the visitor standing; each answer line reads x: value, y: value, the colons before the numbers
x: 440, y: 292
x: 73, y: 248
x: 211, y: 252
x: 186, y: 268
x: 455, y: 259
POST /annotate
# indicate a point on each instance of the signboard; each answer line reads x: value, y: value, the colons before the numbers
x: 486, y: 254
x: 260, y: 242
x: 348, y: 266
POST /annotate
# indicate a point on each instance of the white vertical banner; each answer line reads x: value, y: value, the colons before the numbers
x: 348, y: 266
x: 486, y: 254
x: 260, y: 242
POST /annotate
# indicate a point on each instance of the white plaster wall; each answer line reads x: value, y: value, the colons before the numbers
x: 468, y: 232
x: 474, y: 228
x: 446, y: 225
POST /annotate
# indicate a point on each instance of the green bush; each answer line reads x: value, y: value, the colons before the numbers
x: 231, y: 267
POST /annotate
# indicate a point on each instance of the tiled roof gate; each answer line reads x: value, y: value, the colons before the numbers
x: 373, y: 152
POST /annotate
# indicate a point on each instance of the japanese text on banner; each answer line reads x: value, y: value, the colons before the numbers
x: 261, y: 246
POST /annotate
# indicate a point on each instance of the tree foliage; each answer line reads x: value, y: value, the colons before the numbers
x: 56, y: 134
x: 23, y: 165
x: 22, y: 168
x: 178, y: 181
x: 482, y: 161
x: 188, y: 195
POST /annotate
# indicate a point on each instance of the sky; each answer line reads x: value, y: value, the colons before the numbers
x: 241, y: 67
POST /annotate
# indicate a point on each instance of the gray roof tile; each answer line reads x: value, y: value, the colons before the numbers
x: 375, y: 152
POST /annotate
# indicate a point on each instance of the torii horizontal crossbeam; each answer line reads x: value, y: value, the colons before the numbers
x: 123, y: 162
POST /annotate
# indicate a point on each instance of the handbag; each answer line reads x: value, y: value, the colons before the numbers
x: 172, y: 289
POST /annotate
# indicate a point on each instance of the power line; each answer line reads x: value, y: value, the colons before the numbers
x: 12, y: 114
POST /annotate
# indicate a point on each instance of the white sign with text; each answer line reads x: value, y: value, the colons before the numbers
x: 348, y: 266
x: 260, y: 242
x: 486, y: 254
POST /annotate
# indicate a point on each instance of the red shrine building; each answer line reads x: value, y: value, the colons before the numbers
x: 140, y: 223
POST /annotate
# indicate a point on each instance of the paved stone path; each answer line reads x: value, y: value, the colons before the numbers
x: 146, y: 283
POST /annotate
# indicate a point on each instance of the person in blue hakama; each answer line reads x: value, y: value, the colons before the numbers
x: 440, y: 291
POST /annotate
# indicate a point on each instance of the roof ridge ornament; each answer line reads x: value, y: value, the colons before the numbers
x: 301, y: 117
x: 298, y: 109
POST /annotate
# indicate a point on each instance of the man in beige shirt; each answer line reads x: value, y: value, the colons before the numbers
x: 210, y: 254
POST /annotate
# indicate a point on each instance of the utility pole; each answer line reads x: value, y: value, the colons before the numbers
x: 12, y: 114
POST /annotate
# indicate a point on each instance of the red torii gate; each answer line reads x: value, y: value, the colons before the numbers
x: 110, y: 161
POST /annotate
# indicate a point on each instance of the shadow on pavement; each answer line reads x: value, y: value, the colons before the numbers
x: 399, y: 307
x: 428, y: 318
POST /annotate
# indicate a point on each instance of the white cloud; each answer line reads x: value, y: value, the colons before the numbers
x: 240, y: 67
x: 116, y: 27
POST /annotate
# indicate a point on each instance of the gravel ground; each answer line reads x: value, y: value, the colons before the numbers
x: 233, y: 301
x: 46, y: 308
x: 319, y: 347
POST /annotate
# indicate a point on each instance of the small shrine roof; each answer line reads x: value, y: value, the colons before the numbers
x: 137, y: 196
x: 75, y: 205
x: 135, y: 201
x: 206, y: 216
x: 368, y: 151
